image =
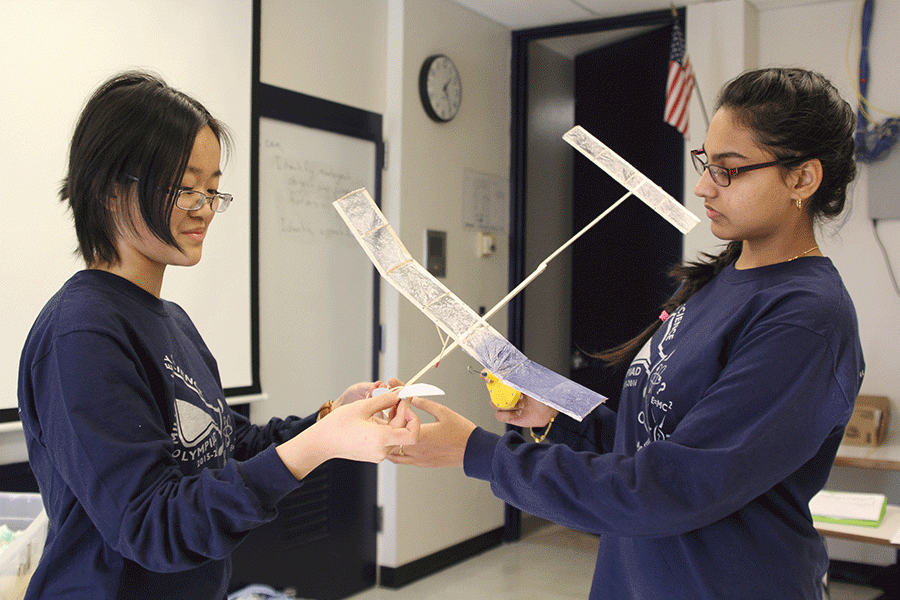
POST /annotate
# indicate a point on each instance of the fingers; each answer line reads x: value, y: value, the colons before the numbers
x: 373, y: 408
x: 401, y: 442
x: 400, y: 414
x: 527, y: 412
x: 368, y: 435
x: 407, y: 419
x: 401, y: 459
x: 355, y: 392
x: 433, y: 408
x: 403, y: 426
x: 509, y: 415
x: 403, y: 417
x: 366, y: 389
x: 440, y: 444
x: 380, y: 403
x: 405, y: 437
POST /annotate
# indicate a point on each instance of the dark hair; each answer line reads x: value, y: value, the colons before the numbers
x: 134, y: 130
x: 793, y: 113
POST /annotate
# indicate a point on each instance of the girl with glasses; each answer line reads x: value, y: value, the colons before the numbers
x: 736, y: 398
x: 148, y: 478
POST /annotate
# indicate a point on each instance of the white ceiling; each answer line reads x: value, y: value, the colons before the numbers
x: 524, y: 14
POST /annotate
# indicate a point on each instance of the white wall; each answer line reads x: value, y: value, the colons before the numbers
x: 722, y: 41
x: 367, y: 54
x: 333, y: 50
x: 444, y: 506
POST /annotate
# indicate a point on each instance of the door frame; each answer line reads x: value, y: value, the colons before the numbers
x: 521, y: 41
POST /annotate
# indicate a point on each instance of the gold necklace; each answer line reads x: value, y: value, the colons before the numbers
x: 804, y: 253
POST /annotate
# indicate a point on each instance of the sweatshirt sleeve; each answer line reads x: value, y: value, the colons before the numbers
x: 252, y: 439
x: 595, y: 433
x: 767, y: 415
x: 107, y: 438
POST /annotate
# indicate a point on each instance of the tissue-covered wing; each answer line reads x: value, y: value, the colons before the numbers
x: 633, y: 180
x: 455, y: 317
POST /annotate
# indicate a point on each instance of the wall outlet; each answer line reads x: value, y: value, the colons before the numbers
x: 486, y: 245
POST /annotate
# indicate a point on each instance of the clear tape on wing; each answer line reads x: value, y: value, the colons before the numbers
x: 456, y: 318
x: 635, y: 181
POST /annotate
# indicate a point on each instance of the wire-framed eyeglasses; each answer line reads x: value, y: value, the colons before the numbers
x: 721, y: 176
x: 192, y: 200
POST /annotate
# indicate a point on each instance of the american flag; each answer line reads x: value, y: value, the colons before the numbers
x: 680, y: 84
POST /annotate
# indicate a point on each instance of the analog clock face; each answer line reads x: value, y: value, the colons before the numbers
x: 440, y: 88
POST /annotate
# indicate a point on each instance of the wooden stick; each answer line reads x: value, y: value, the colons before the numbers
x: 516, y: 290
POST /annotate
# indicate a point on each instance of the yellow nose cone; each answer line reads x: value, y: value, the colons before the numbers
x: 502, y: 396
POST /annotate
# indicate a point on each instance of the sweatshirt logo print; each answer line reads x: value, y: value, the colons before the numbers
x: 655, y: 407
x: 192, y: 423
x: 201, y: 430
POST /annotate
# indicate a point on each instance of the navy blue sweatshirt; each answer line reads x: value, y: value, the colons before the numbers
x: 728, y: 423
x: 148, y: 478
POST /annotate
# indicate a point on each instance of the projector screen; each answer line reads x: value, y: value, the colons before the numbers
x: 53, y: 55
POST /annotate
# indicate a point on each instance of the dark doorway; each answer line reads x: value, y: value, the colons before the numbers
x: 619, y: 271
x: 624, y: 262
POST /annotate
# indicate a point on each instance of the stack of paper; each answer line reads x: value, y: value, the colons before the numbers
x: 849, y: 508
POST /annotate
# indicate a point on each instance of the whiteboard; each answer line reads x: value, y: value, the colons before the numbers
x: 53, y: 55
x: 316, y: 316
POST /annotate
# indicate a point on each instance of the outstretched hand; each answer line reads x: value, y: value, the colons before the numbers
x: 358, y: 431
x: 355, y: 431
x: 440, y: 444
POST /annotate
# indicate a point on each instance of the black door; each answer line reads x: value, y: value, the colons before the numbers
x: 619, y: 267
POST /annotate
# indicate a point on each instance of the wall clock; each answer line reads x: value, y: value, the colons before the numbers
x: 440, y: 88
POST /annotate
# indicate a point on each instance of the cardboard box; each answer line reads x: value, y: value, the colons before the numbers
x: 23, y: 513
x: 869, y: 423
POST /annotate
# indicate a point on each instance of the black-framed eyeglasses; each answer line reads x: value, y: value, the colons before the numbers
x: 721, y: 176
x: 193, y: 200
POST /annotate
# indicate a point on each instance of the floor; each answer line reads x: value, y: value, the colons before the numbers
x: 549, y: 563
